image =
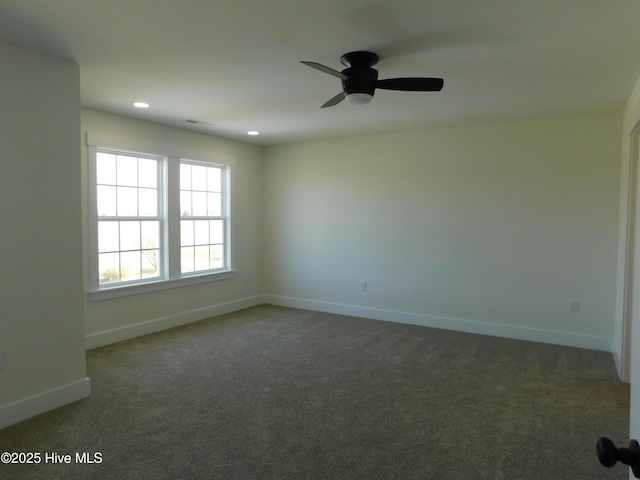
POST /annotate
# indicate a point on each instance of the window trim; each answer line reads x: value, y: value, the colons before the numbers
x: 171, y: 156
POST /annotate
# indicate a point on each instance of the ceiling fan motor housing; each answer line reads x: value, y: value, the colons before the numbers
x: 361, y: 78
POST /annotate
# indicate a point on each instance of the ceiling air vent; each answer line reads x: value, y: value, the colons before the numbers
x: 198, y: 122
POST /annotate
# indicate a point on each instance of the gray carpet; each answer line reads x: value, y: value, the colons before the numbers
x: 278, y: 393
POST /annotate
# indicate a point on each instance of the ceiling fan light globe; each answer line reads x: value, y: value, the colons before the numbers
x: 359, y: 98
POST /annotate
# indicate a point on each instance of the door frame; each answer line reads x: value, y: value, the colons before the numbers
x: 630, y: 249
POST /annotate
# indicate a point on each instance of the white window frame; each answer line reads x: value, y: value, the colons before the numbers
x: 171, y: 157
x: 223, y: 216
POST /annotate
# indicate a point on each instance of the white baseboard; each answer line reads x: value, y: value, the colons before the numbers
x: 44, y: 402
x: 131, y: 331
x: 446, y: 323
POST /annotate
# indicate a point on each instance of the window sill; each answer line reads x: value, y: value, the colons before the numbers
x: 122, y: 291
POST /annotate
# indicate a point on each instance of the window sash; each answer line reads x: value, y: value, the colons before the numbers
x: 198, y: 217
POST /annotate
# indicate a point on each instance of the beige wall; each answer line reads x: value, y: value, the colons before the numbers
x: 142, y: 313
x: 491, y: 228
x: 41, y: 309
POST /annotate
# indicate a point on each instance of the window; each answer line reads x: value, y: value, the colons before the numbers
x: 202, y: 222
x: 128, y: 204
x: 156, y: 220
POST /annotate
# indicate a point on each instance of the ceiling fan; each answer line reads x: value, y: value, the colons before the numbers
x: 360, y: 80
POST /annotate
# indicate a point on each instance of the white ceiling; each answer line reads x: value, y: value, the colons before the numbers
x: 234, y: 64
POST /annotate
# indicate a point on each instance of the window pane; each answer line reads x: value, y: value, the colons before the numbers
x: 198, y: 177
x: 148, y: 202
x: 105, y: 168
x: 185, y: 204
x: 214, y: 179
x: 109, y: 267
x: 199, y: 204
x: 201, y: 234
x: 186, y: 232
x: 201, y: 257
x: 150, y: 263
x: 127, y: 170
x: 186, y: 259
x: 185, y: 176
x: 150, y: 234
x: 216, y: 231
x: 108, y: 237
x: 148, y: 173
x: 214, y: 205
x: 130, y: 266
x: 106, y: 201
x: 127, y: 202
x: 130, y: 236
x: 216, y: 257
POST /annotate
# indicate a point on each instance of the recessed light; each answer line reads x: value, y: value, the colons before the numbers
x: 141, y: 105
x: 253, y: 132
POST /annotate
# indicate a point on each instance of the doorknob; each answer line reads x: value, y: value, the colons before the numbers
x: 608, y: 455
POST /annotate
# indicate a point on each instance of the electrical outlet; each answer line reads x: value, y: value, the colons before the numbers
x: 3, y: 362
x: 574, y: 306
x: 364, y: 286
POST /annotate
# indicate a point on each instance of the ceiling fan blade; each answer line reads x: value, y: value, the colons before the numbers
x: 324, y: 69
x: 334, y: 101
x: 411, y: 84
